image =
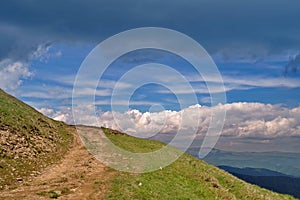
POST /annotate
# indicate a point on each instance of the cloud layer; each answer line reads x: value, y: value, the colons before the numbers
x: 25, y: 25
x: 244, y: 120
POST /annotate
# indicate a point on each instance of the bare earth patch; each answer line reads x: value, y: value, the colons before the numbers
x: 77, y: 176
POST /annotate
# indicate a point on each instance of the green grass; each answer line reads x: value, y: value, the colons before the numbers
x: 51, y: 194
x: 18, y: 117
x: 21, y: 127
x: 187, y: 178
x: 123, y: 141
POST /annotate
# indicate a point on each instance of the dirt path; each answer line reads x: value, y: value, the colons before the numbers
x: 78, y: 176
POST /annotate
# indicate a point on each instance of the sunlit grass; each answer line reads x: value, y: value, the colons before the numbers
x: 187, y: 178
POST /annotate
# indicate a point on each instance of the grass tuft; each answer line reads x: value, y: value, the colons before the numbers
x: 51, y: 194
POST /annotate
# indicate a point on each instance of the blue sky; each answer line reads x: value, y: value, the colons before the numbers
x: 262, y: 81
x: 255, y: 45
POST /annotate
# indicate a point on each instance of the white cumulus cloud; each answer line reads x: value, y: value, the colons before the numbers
x: 12, y: 73
x: 243, y: 120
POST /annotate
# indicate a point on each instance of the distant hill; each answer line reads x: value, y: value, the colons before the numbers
x: 28, y: 140
x: 268, y: 179
x: 283, y: 162
x: 251, y: 171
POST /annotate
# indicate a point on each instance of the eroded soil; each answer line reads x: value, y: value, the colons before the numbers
x: 77, y: 176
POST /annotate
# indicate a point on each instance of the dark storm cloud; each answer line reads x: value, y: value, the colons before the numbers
x: 253, y: 26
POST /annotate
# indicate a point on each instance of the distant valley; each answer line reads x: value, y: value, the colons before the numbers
x: 277, y: 171
x: 268, y: 179
x: 283, y: 162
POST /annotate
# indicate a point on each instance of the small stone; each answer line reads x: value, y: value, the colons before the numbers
x: 19, y: 179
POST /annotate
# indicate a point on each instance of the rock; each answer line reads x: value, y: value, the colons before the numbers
x: 19, y: 179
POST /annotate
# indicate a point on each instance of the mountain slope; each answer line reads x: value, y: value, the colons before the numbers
x: 271, y: 180
x: 186, y: 178
x: 31, y: 141
x: 77, y: 176
x: 28, y: 140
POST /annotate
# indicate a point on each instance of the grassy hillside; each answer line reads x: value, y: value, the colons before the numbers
x: 28, y: 140
x: 187, y: 178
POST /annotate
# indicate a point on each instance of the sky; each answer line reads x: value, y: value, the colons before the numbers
x: 255, y: 46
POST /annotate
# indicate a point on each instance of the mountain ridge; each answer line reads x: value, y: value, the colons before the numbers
x: 284, y: 162
x: 268, y: 179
